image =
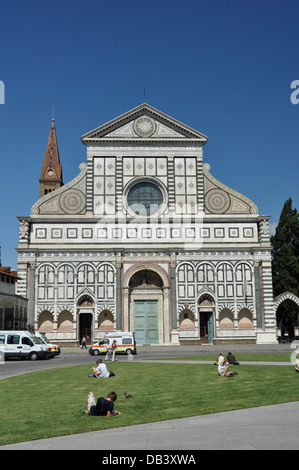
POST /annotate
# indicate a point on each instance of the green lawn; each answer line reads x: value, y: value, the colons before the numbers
x: 255, y: 357
x: 47, y: 403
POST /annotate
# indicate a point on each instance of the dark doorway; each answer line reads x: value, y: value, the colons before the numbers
x: 287, y: 316
x: 206, y: 327
x: 85, y: 323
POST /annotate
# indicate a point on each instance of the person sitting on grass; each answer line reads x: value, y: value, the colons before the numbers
x: 223, y: 368
x: 231, y: 359
x: 220, y: 358
x: 103, y: 407
x: 216, y: 362
x: 100, y: 370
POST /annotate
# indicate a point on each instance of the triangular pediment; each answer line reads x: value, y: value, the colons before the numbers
x: 144, y: 123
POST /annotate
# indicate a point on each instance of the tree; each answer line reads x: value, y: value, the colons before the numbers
x: 285, y: 264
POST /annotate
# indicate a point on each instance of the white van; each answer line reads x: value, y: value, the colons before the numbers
x: 22, y: 344
x: 55, y: 349
x: 125, y: 341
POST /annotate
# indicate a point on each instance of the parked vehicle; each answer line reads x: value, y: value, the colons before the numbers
x: 126, y: 344
x: 23, y: 344
x: 55, y: 350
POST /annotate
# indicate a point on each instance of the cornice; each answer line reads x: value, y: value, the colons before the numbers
x: 154, y: 141
x: 100, y: 132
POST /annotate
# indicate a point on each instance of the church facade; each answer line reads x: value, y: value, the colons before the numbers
x: 145, y: 239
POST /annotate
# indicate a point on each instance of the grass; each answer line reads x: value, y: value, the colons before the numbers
x: 47, y: 403
x: 260, y: 357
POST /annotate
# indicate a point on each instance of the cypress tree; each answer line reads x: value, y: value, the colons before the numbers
x: 285, y: 265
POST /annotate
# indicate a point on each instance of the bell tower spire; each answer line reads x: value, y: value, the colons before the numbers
x: 51, y: 175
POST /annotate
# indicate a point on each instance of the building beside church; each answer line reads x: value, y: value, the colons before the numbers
x: 13, y: 308
x: 145, y: 239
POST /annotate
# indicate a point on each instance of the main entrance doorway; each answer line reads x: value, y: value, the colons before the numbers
x: 146, y: 304
x: 85, y: 304
x: 146, y: 321
x: 85, y: 322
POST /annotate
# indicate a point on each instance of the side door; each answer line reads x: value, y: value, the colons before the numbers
x: 103, y: 345
x: 27, y: 346
x: 14, y: 346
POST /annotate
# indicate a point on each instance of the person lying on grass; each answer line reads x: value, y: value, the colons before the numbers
x: 103, y: 407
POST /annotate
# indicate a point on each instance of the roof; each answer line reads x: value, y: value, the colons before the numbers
x: 6, y: 270
x: 51, y: 169
x: 177, y: 131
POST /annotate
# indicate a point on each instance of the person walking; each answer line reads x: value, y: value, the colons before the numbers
x: 114, y: 347
x: 83, y: 343
x: 108, y: 353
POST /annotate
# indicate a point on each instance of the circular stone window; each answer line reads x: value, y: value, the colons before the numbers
x: 145, y: 199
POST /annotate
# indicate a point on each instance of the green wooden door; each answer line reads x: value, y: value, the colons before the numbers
x: 146, y: 321
x: 206, y: 327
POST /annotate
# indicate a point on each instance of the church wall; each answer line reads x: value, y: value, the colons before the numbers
x: 206, y: 243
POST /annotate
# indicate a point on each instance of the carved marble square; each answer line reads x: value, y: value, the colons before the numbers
x: 190, y: 166
x: 161, y: 233
x: 205, y: 233
x: 56, y: 233
x: 109, y: 166
x: 99, y: 166
x: 102, y: 232
x: 175, y: 233
x: 40, y: 233
x: 139, y: 166
x: 71, y: 233
x: 128, y: 166
x: 179, y: 166
x: 117, y: 233
x: 190, y: 232
x: 219, y: 232
x: 87, y: 233
x: 146, y: 233
x: 233, y: 232
x: 248, y: 232
x: 99, y: 186
x: 132, y: 232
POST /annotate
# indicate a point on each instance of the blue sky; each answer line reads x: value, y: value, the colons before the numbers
x: 222, y: 67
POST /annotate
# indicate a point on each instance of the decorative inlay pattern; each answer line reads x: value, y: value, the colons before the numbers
x: 217, y: 201
x: 144, y: 126
x: 72, y: 201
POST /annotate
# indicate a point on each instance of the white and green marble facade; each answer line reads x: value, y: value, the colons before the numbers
x: 206, y: 247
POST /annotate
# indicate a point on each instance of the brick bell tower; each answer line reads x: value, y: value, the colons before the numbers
x: 51, y: 175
